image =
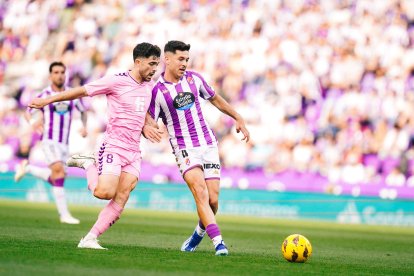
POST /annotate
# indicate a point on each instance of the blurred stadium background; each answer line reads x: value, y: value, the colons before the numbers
x: 326, y: 87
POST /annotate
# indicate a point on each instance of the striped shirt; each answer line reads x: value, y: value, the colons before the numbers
x: 178, y: 105
x: 57, y: 117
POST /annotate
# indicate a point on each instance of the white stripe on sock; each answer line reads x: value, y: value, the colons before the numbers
x: 201, y: 232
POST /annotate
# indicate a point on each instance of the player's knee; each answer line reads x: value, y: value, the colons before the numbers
x: 58, y: 174
x: 200, y: 192
x: 103, y: 193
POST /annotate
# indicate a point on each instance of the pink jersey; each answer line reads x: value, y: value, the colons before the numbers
x: 128, y: 102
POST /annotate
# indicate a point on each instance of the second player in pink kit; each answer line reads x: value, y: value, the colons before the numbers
x: 114, y: 171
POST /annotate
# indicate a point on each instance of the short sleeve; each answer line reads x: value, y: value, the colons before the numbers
x: 154, y: 107
x: 205, y: 90
x: 100, y: 86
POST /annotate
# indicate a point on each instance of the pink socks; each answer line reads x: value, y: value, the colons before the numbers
x: 107, y: 217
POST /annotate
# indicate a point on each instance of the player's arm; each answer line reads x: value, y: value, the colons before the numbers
x: 35, y: 119
x: 84, y: 119
x: 71, y: 94
x: 151, y: 130
x: 222, y: 105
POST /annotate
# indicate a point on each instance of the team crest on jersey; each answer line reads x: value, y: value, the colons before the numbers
x: 190, y: 80
x: 184, y: 100
x: 61, y: 107
x: 187, y: 162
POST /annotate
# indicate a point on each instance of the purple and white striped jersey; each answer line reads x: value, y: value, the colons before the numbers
x: 178, y: 105
x: 57, y: 117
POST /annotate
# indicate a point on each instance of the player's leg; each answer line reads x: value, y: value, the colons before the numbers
x: 108, y: 163
x: 57, y: 180
x: 195, y: 181
x: 129, y: 179
x: 213, y: 186
x: 124, y: 184
x: 212, y: 173
x: 86, y: 162
x: 111, y: 213
x: 24, y: 167
x: 211, y: 164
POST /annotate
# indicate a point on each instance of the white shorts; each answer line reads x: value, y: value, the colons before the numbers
x: 55, y: 152
x: 207, y: 158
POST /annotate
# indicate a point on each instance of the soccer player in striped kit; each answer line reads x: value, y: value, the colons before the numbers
x: 176, y: 100
x: 53, y: 122
x: 118, y: 161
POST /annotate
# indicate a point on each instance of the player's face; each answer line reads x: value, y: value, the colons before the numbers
x: 177, y: 62
x: 148, y: 67
x: 57, y: 76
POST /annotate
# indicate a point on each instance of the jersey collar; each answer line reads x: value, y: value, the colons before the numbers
x: 162, y: 79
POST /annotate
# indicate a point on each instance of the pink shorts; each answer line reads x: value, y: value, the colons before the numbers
x: 114, y: 160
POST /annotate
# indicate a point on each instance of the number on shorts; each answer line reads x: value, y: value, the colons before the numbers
x: 109, y: 158
x: 184, y: 153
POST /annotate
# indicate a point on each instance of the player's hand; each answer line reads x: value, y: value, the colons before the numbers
x: 152, y: 133
x: 83, y: 132
x: 240, y: 126
x: 38, y: 103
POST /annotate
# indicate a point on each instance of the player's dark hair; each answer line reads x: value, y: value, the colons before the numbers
x: 146, y: 50
x: 174, y: 45
x: 56, y: 63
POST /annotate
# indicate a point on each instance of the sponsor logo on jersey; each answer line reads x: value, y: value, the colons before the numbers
x: 184, y: 100
x: 61, y: 107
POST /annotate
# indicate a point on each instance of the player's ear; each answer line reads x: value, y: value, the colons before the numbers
x: 137, y: 62
x: 167, y: 58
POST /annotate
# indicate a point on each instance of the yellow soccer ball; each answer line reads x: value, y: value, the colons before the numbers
x: 296, y: 248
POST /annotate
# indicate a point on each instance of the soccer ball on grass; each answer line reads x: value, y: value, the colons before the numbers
x: 296, y: 248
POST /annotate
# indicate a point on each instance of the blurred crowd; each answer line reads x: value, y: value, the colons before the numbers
x: 326, y: 86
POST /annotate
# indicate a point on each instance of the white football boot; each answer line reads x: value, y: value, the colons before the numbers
x: 69, y: 220
x: 91, y: 243
x: 79, y: 160
x: 20, y: 170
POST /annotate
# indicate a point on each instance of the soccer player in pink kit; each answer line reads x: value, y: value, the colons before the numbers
x: 54, y: 123
x: 175, y: 99
x: 118, y: 161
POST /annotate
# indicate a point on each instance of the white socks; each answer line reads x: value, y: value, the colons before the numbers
x: 201, y: 232
x: 60, y: 200
x: 43, y: 173
x: 217, y: 240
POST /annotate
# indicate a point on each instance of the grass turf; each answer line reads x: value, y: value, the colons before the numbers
x: 33, y: 242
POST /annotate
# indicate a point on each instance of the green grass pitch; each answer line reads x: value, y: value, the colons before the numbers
x: 33, y: 242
